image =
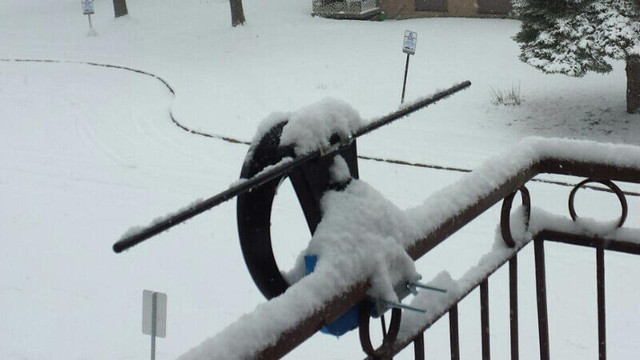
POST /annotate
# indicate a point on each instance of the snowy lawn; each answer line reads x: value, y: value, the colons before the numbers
x: 89, y: 151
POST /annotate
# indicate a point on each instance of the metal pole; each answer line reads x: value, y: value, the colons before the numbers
x: 404, y: 83
x: 154, y: 310
x: 278, y: 170
x: 602, y: 328
x: 484, y: 319
x: 454, y: 341
x: 513, y: 306
x: 418, y: 347
x: 541, y: 290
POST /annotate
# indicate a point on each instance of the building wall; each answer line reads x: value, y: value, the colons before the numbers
x: 402, y: 9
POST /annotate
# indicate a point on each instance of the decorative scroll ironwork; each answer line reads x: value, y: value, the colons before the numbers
x: 389, y: 336
x: 505, y: 214
x: 608, y: 183
x: 594, y: 172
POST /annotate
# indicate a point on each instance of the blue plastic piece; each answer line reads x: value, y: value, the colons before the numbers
x: 347, y: 321
x: 310, y: 262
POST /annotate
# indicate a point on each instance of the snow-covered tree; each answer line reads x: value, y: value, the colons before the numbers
x: 574, y: 37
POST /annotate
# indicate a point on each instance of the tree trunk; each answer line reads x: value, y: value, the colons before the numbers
x: 237, y: 14
x: 120, y: 8
x: 633, y: 84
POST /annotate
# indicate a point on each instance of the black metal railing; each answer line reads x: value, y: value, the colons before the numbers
x: 499, y: 181
x: 577, y: 238
x: 506, y: 192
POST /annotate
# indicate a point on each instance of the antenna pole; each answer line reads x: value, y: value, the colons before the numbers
x: 131, y: 239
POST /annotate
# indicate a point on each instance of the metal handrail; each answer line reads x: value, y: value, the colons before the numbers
x: 340, y: 303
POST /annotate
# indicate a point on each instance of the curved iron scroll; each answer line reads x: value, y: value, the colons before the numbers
x: 389, y: 337
x: 608, y: 183
x: 505, y: 215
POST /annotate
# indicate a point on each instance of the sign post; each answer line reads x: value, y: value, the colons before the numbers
x: 409, y: 48
x: 87, y: 9
x: 154, y: 317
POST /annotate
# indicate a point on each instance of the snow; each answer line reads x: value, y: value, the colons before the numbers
x: 134, y: 230
x: 604, y: 230
x: 497, y: 170
x: 311, y: 127
x: 89, y: 151
x: 360, y: 222
x: 263, y: 128
x: 261, y: 327
x: 339, y: 170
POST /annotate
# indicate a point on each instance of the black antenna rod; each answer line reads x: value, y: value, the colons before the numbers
x: 132, y: 239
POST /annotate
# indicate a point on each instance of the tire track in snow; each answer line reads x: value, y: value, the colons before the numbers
x: 137, y: 71
x: 244, y: 142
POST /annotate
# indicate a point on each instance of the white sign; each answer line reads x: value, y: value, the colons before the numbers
x: 148, y: 317
x: 410, y: 40
x: 87, y: 7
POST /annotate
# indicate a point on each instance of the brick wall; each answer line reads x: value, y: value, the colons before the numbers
x: 430, y: 8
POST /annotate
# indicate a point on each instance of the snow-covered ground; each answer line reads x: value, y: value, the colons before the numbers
x: 89, y: 151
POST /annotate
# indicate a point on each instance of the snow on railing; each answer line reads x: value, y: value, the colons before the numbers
x: 340, y: 282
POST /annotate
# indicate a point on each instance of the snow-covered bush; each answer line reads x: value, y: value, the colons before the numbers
x: 508, y: 97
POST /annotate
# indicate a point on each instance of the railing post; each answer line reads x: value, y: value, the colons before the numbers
x: 453, y: 333
x: 484, y: 319
x: 541, y: 290
x: 513, y: 306
x: 418, y: 347
x: 602, y: 329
